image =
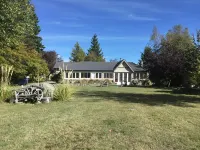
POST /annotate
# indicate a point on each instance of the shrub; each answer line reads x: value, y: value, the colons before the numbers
x: 108, y: 81
x: 97, y: 81
x: 84, y: 82
x: 63, y: 92
x: 147, y: 83
x: 91, y: 81
x: 57, y: 77
x: 5, y: 93
x: 135, y: 82
x: 77, y: 82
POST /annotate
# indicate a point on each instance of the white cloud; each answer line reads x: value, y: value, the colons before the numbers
x: 140, y: 18
x: 118, y: 9
x: 88, y: 38
x: 56, y: 23
x: 68, y: 24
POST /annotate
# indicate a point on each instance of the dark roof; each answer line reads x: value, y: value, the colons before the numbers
x: 94, y: 66
x: 135, y: 67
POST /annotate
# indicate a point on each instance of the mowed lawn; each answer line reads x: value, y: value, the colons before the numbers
x: 105, y: 118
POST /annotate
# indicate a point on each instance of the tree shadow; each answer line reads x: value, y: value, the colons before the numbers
x: 185, y: 91
x: 148, y: 99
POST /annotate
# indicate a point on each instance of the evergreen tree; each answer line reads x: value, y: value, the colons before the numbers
x: 77, y: 54
x: 95, y: 51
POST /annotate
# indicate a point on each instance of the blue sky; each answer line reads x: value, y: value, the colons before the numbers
x: 123, y: 26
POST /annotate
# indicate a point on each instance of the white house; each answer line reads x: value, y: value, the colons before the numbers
x: 118, y: 72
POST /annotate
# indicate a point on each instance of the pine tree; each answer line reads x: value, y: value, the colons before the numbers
x: 95, y: 50
x: 77, y: 54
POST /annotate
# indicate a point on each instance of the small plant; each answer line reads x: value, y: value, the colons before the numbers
x: 63, y: 92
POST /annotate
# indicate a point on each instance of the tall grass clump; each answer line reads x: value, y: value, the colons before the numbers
x: 5, y: 93
x: 6, y: 72
x: 63, y: 92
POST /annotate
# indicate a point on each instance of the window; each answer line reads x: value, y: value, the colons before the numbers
x: 108, y: 75
x: 125, y: 77
x: 100, y: 75
x: 97, y: 75
x: 74, y: 75
x: 129, y: 77
x: 70, y: 74
x: 66, y: 74
x: 77, y: 75
x: 85, y: 75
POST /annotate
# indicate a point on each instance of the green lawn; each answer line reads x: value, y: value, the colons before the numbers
x: 105, y: 118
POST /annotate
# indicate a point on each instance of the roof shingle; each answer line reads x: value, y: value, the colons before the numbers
x: 94, y: 66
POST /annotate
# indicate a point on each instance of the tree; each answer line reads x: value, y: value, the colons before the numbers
x: 77, y: 54
x: 25, y: 62
x: 95, y: 51
x: 19, y: 25
x: 50, y: 57
x: 91, y: 57
x: 34, y: 41
x: 173, y: 59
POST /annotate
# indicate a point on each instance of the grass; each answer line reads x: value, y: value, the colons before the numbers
x: 105, y: 118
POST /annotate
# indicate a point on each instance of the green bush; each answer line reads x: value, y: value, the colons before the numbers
x: 91, y: 81
x: 77, y: 82
x: 147, y: 83
x: 108, y: 81
x: 63, y: 92
x: 84, y: 82
x: 57, y: 77
x: 97, y: 81
x: 5, y: 93
x: 135, y: 82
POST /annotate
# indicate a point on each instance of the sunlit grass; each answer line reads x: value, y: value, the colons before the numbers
x: 105, y: 118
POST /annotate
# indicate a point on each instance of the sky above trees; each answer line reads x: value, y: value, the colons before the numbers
x: 123, y: 26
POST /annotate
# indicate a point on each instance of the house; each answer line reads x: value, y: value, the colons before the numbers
x: 118, y: 72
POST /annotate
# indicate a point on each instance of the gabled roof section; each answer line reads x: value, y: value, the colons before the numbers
x: 123, y: 61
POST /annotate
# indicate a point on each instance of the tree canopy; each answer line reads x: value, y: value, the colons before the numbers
x: 171, y: 59
x: 50, y: 57
x: 20, y: 44
x: 19, y: 24
x: 25, y: 62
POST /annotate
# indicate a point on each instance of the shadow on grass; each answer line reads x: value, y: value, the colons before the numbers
x: 148, y: 99
x: 186, y: 91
